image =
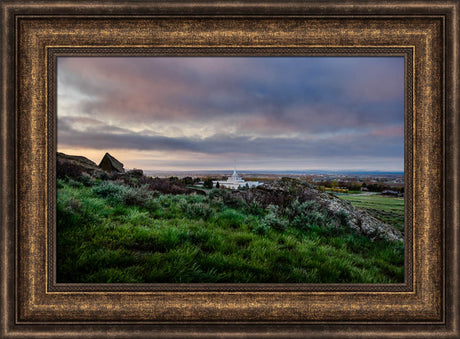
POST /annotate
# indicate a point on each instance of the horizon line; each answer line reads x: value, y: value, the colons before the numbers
x: 279, y: 170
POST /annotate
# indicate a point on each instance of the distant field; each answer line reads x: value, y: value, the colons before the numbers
x: 387, y: 209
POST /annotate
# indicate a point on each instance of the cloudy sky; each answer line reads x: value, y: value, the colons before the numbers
x: 265, y: 113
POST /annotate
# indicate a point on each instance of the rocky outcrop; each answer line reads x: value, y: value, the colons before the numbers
x: 72, y: 164
x: 111, y: 165
x: 82, y: 164
x: 358, y: 220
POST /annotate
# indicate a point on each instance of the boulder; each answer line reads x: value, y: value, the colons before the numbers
x: 76, y: 164
x: 359, y: 220
x: 111, y: 165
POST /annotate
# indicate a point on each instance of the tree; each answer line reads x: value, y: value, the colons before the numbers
x: 187, y: 180
x: 217, y: 185
x: 208, y: 183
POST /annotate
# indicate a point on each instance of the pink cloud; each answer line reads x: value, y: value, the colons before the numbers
x: 391, y: 131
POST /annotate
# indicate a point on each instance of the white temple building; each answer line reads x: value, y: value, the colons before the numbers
x: 235, y: 182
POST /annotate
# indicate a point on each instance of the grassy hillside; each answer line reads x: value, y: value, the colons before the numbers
x: 112, y: 232
x: 387, y: 209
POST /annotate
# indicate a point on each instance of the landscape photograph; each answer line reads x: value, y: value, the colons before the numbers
x: 230, y: 170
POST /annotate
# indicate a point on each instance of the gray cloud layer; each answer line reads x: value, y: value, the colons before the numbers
x: 260, y: 107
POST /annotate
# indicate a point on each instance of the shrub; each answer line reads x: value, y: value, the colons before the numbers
x: 273, y: 220
x: 255, y: 209
x: 135, y: 173
x: 132, y: 196
x: 305, y: 215
x: 120, y: 193
x: 74, y: 205
x: 187, y: 181
x: 217, y: 194
x: 165, y: 186
x: 107, y: 189
x: 297, y: 209
x: 102, y: 176
x: 208, y: 183
x: 195, y: 198
x: 231, y: 200
x: 86, y: 180
x: 130, y: 181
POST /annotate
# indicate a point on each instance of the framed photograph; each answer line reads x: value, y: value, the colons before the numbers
x: 171, y: 212
x: 226, y: 170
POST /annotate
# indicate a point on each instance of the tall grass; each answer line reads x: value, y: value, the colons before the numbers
x: 112, y: 232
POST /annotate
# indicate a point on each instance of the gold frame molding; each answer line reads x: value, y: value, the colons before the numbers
x: 425, y: 33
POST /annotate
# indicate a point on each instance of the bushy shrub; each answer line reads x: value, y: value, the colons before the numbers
x: 228, y: 198
x: 231, y: 200
x: 187, y: 181
x: 119, y: 193
x: 274, y: 220
x: 255, y: 209
x: 305, y: 215
x: 208, y: 183
x: 86, y: 180
x: 135, y: 173
x: 74, y: 205
x: 217, y: 193
x: 107, y: 189
x: 297, y: 209
x: 165, y: 186
x: 132, y: 196
x: 102, y: 175
x: 128, y: 196
x: 164, y: 200
x: 152, y: 205
x: 130, y: 181
x: 195, y: 198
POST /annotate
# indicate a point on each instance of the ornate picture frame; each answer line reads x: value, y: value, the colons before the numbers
x: 34, y: 35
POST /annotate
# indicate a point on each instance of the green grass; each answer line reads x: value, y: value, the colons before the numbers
x: 387, y: 209
x: 104, y: 235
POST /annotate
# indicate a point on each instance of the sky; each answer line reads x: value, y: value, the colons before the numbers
x: 208, y: 113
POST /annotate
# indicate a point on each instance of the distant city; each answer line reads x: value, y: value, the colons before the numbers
x: 280, y: 172
x: 345, y: 181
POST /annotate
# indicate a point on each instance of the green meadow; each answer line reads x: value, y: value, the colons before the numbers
x: 111, y: 232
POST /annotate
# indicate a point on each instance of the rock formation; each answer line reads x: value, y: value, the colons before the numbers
x: 358, y: 220
x: 84, y: 165
x: 110, y: 164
